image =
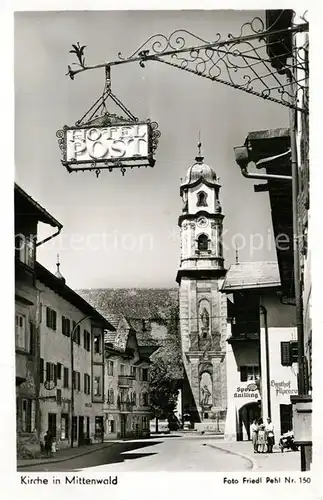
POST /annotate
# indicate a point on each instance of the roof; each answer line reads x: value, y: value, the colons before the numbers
x: 59, y: 286
x: 264, y: 144
x: 26, y: 205
x: 250, y: 275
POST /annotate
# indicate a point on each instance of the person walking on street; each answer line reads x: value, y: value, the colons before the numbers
x: 48, y: 443
x: 270, y: 435
x: 254, y: 435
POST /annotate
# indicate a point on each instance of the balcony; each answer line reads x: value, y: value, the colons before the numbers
x: 238, y: 337
x: 125, y: 380
x: 125, y: 406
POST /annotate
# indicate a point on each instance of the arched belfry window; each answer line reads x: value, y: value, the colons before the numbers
x: 201, y: 199
x: 203, y: 243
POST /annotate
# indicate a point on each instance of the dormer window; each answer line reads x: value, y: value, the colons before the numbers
x: 201, y: 199
x: 203, y: 243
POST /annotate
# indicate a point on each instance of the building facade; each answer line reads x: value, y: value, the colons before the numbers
x: 71, y: 363
x: 28, y: 213
x: 202, y: 306
x: 126, y: 373
x: 261, y: 374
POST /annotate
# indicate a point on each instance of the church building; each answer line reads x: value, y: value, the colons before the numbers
x: 203, y: 308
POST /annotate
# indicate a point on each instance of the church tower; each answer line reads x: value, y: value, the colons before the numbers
x: 203, y: 312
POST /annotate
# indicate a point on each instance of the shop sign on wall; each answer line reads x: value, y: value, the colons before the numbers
x: 283, y: 388
x: 249, y: 391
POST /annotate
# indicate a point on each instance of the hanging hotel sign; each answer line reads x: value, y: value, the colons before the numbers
x: 127, y: 144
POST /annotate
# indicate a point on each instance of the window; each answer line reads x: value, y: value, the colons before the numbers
x: 59, y: 371
x: 201, y: 199
x: 145, y: 399
x: 134, y: 371
x: 110, y: 396
x: 64, y: 426
x: 97, y: 386
x: 203, y: 243
x: 87, y: 382
x: 121, y: 369
x: 249, y: 373
x: 21, y: 332
x: 145, y: 374
x: 65, y: 378
x: 110, y: 368
x: 76, y: 380
x: 51, y: 372
x: 76, y: 333
x: 111, y: 426
x: 97, y: 343
x: 66, y: 326
x: 134, y: 398
x: 25, y: 250
x: 28, y: 415
x: 51, y: 318
x: 87, y: 340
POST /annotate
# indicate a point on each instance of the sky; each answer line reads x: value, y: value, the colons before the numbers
x: 137, y: 212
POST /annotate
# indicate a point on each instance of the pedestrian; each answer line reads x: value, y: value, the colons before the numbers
x: 270, y: 434
x: 261, y: 441
x: 254, y: 435
x: 48, y: 443
x: 53, y: 448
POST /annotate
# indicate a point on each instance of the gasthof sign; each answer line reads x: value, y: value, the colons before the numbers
x: 111, y: 143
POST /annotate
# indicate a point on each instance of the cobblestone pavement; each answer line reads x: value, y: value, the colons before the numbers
x: 173, y: 453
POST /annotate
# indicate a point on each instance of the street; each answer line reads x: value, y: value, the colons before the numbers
x: 165, y: 453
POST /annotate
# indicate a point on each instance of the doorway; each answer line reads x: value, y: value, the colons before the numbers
x: 74, y: 429
x: 52, y: 424
x: 286, y: 418
x: 247, y: 414
x: 81, y: 431
x: 123, y: 422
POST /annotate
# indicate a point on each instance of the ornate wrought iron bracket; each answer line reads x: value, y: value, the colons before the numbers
x: 240, y: 61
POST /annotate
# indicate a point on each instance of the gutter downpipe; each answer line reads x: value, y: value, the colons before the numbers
x: 263, y: 311
x: 298, y: 294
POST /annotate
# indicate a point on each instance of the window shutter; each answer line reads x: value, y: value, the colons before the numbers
x: 47, y: 316
x: 59, y: 371
x: 68, y: 327
x: 47, y: 371
x: 32, y: 339
x: 41, y: 370
x: 294, y: 351
x: 285, y: 354
x: 59, y: 396
x: 73, y: 379
x: 63, y: 326
x: 54, y: 320
x: 65, y: 383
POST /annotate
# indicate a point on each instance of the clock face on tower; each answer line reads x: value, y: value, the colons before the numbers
x: 202, y: 222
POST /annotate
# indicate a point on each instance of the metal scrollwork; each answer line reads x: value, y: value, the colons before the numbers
x: 239, y: 61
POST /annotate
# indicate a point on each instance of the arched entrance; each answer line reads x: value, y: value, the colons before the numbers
x: 247, y: 414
